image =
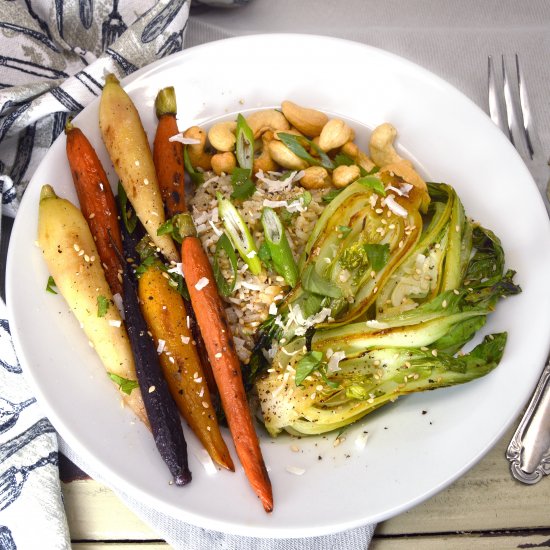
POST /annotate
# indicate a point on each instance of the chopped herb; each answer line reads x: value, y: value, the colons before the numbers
x: 306, y: 198
x: 311, y: 362
x: 341, y: 159
x: 196, y: 177
x: 124, y: 384
x: 286, y: 216
x: 170, y: 228
x: 243, y: 186
x: 50, y: 285
x: 102, y: 306
x: 307, y: 364
x: 344, y: 229
x: 331, y: 195
x: 297, y: 145
x: 126, y: 211
x: 224, y: 246
x: 374, y: 183
x: 378, y: 255
x: 265, y: 256
x: 314, y: 282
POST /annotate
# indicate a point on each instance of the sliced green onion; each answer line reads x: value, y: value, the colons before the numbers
x: 239, y: 234
x: 224, y: 245
x: 279, y: 249
x: 245, y: 143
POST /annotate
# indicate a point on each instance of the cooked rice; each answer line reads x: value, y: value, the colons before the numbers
x: 250, y: 302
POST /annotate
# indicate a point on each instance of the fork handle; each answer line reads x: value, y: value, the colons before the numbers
x: 529, y: 448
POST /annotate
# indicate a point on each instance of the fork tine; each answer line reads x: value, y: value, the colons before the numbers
x: 509, y: 107
x: 494, y: 103
x: 526, y: 111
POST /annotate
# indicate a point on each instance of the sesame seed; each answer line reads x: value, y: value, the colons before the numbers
x: 434, y: 352
x: 146, y: 181
x: 152, y: 389
x: 218, y: 355
x: 91, y: 216
x: 294, y: 448
x: 444, y: 303
x: 76, y: 247
x: 205, y: 404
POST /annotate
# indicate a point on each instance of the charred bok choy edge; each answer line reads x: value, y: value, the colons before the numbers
x: 397, y: 348
x: 161, y: 409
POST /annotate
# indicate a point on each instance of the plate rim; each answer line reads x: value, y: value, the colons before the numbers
x: 134, y: 78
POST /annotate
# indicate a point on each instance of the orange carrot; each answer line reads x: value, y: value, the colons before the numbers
x: 215, y: 329
x: 169, y: 165
x: 168, y: 155
x: 164, y: 311
x: 97, y: 202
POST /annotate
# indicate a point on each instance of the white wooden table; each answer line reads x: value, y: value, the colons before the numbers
x: 485, y: 509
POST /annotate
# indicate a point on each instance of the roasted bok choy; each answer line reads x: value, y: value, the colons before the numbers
x: 385, y: 304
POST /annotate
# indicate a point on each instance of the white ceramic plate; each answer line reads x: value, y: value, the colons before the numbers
x: 410, y: 454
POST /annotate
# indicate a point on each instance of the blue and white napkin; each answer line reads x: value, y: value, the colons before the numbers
x: 53, y: 57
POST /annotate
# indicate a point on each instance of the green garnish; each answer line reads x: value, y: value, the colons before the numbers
x: 297, y: 145
x: 196, y: 177
x: 224, y: 246
x: 239, y: 234
x: 378, y: 255
x: 102, y: 306
x: 373, y: 183
x: 331, y: 195
x: 341, y: 159
x: 265, y: 256
x: 244, y: 149
x: 312, y: 361
x: 279, y: 248
x: 127, y: 212
x: 307, y: 364
x: 50, y: 284
x: 243, y: 186
x: 343, y: 229
x: 124, y: 384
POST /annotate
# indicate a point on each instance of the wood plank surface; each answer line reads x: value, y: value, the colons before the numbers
x: 486, y: 508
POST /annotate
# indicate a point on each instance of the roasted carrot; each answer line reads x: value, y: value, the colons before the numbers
x: 97, y: 202
x: 225, y: 364
x: 166, y: 316
x: 160, y: 407
x: 169, y: 164
x: 168, y: 155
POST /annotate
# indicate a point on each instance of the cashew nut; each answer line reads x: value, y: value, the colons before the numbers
x: 344, y: 175
x: 224, y: 163
x: 334, y: 134
x: 270, y: 119
x: 222, y: 136
x: 308, y: 121
x: 284, y: 157
x: 197, y: 155
x: 264, y: 162
x: 381, y: 147
x: 360, y: 158
x: 315, y: 177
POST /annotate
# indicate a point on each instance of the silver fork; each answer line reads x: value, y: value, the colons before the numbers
x: 529, y: 449
x: 510, y: 110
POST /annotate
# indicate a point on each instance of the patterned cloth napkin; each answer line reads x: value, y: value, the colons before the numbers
x: 53, y: 58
